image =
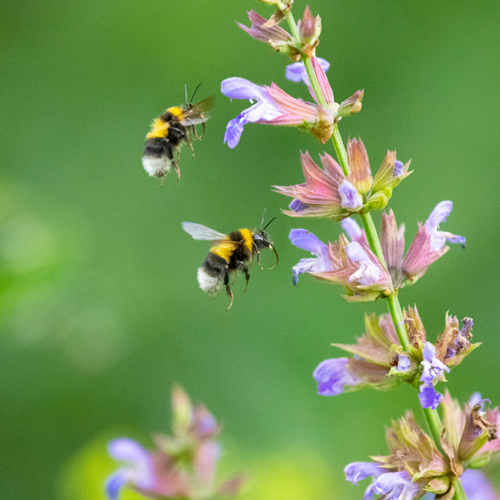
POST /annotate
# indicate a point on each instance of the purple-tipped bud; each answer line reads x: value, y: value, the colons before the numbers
x: 351, y: 199
x: 398, y: 168
x: 332, y: 376
x: 297, y: 206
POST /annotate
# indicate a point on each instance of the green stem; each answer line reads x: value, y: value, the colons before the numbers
x: 459, y: 490
x: 432, y: 416
x: 435, y: 426
x: 338, y: 143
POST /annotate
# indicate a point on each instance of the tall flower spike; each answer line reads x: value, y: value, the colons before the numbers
x: 274, y: 107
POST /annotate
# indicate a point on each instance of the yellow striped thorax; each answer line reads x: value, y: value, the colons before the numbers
x: 159, y: 128
x: 224, y: 250
x: 248, y: 237
x: 176, y: 111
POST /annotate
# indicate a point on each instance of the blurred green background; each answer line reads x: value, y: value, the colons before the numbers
x: 100, y: 310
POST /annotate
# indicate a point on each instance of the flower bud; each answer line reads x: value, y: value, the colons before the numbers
x: 351, y: 105
x: 390, y: 173
x: 359, y: 166
x: 309, y: 30
x: 379, y: 200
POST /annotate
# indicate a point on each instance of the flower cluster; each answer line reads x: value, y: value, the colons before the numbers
x: 415, y: 465
x: 328, y: 192
x: 182, y: 465
x: 354, y: 265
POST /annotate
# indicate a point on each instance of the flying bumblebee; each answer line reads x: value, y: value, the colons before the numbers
x: 168, y: 132
x: 229, y: 254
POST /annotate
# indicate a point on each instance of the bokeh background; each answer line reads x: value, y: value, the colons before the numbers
x: 100, y: 311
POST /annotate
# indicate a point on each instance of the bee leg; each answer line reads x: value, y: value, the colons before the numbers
x: 228, y: 290
x: 258, y: 259
x: 203, y: 133
x: 177, y: 170
x: 162, y: 181
x: 247, y: 276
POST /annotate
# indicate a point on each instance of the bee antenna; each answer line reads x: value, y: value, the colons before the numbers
x: 263, y: 217
x: 194, y: 93
x: 274, y: 218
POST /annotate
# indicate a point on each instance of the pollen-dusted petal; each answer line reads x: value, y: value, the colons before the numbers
x: 392, y: 241
x: 359, y: 165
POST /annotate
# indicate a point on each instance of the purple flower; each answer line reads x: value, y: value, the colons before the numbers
x: 368, y: 273
x: 302, y: 238
x: 395, y: 486
x: 332, y: 375
x: 357, y: 471
x: 352, y: 229
x: 429, y: 397
x: 297, y: 206
x: 350, y: 196
x: 398, y: 168
x: 432, y: 371
x: 138, y: 470
x: 404, y: 363
x: 433, y: 367
x: 297, y: 72
x: 429, y: 244
x: 438, y: 238
x: 264, y: 109
x: 477, y: 487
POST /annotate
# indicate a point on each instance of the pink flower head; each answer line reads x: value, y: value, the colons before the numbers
x: 326, y: 192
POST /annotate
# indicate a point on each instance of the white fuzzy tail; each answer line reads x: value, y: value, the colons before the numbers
x: 209, y: 284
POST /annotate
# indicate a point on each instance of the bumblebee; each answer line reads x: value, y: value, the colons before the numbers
x: 168, y: 132
x: 229, y: 254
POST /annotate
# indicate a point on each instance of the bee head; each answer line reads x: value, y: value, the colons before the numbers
x: 261, y: 239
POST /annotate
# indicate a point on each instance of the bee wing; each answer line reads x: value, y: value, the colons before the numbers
x: 200, y: 232
x: 193, y: 115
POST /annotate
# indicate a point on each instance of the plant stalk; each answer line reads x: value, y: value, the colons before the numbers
x: 432, y: 416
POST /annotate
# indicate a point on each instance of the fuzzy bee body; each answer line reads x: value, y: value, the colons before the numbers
x: 229, y: 254
x: 168, y: 132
